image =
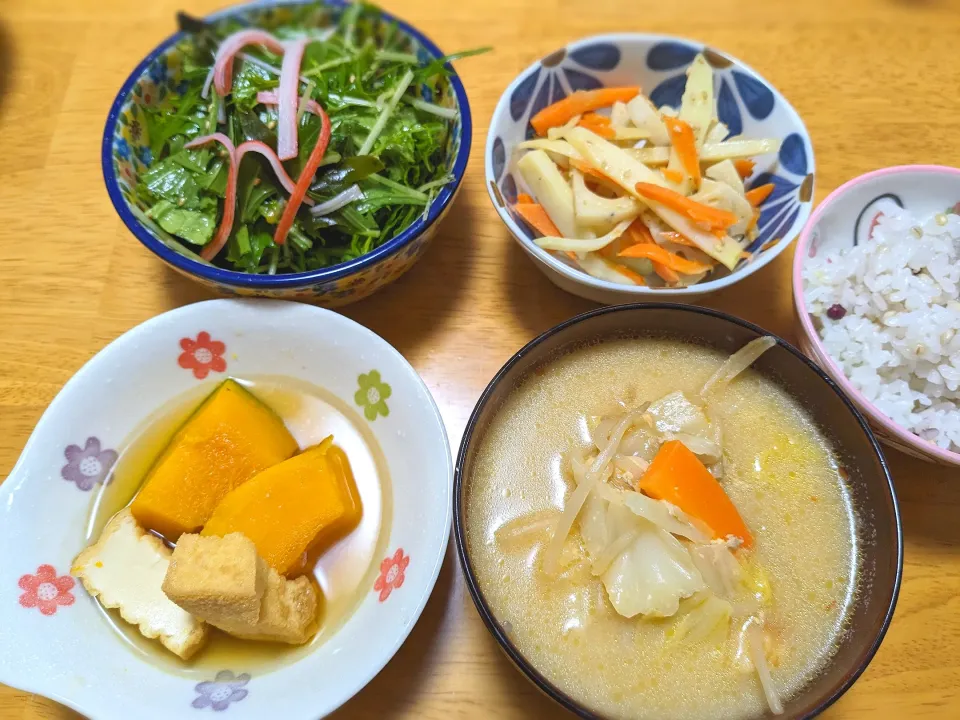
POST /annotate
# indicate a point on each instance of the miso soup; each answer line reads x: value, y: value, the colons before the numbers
x: 667, y: 597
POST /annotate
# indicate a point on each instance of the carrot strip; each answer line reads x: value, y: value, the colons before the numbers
x: 679, y: 239
x: 712, y: 217
x: 674, y: 176
x: 588, y: 169
x: 536, y: 217
x: 652, y: 251
x: 637, y: 233
x: 665, y: 273
x: 524, y: 198
x: 683, y: 141
x: 753, y: 221
x: 627, y: 272
x: 677, y: 476
x: 759, y: 194
x: 572, y: 255
x: 578, y: 103
x: 744, y: 168
x: 598, y: 124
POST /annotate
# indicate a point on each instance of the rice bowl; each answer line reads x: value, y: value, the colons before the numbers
x: 876, y: 292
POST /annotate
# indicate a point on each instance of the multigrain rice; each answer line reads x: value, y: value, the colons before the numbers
x: 888, y: 312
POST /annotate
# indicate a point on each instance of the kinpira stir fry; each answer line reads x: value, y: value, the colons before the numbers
x: 639, y: 195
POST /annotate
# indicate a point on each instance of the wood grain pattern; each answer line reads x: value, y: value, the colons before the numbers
x: 875, y: 81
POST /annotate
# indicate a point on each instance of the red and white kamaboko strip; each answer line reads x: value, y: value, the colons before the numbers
x: 287, y: 96
x: 267, y: 152
x: 230, y: 200
x: 299, y: 196
x: 223, y: 62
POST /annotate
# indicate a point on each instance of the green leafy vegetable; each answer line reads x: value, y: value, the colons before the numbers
x: 391, y: 134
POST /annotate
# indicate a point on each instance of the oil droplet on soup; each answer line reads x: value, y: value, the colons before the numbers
x: 344, y: 573
x: 780, y: 472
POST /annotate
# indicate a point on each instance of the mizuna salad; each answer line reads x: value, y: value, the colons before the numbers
x: 637, y: 195
x: 299, y: 146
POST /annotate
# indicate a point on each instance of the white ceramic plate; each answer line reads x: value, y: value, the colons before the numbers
x: 55, y: 641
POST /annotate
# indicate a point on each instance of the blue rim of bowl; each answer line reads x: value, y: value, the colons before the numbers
x: 486, y: 613
x: 335, y: 272
x: 581, y: 277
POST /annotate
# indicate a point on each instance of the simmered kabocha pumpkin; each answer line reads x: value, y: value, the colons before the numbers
x: 304, y: 503
x: 230, y: 438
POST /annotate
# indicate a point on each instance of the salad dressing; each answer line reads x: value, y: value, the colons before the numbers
x: 343, y: 574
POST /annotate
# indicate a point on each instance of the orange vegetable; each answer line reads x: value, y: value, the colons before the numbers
x: 677, y: 476
x: 665, y: 273
x: 589, y: 170
x: 578, y: 103
x: 685, y: 144
x: 230, y: 438
x: 536, y: 217
x: 524, y: 198
x: 713, y: 218
x: 744, y: 168
x: 304, y: 503
x: 652, y: 251
x: 753, y: 221
x: 679, y: 239
x: 627, y: 272
x: 598, y: 124
x: 759, y: 194
x: 637, y: 232
x: 674, y: 176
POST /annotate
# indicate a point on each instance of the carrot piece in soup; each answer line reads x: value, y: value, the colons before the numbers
x: 677, y: 476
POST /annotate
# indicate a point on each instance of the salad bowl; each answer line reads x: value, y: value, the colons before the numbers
x: 126, y: 155
x: 746, y: 103
x: 56, y: 641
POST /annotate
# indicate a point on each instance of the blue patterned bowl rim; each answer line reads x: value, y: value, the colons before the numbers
x: 336, y: 272
x: 548, y: 259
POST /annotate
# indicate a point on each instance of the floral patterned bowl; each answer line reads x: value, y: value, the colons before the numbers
x: 846, y: 218
x: 54, y: 639
x: 126, y: 153
x: 746, y: 103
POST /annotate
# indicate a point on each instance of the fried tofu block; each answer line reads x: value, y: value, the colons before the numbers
x: 213, y: 577
x: 125, y: 569
x: 286, y: 610
x: 305, y: 503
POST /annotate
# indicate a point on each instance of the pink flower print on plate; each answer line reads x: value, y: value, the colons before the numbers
x: 391, y: 574
x: 202, y: 355
x: 46, y: 591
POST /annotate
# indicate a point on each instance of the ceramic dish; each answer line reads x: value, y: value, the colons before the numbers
x: 871, y: 488
x: 126, y: 152
x: 843, y: 220
x: 747, y: 104
x: 55, y: 640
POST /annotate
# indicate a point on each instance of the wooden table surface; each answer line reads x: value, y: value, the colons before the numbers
x: 875, y: 80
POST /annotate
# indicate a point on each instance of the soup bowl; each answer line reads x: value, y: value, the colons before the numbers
x: 126, y: 155
x: 872, y: 494
x: 56, y: 641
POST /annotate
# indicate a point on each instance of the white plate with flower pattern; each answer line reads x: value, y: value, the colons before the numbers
x: 55, y: 641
